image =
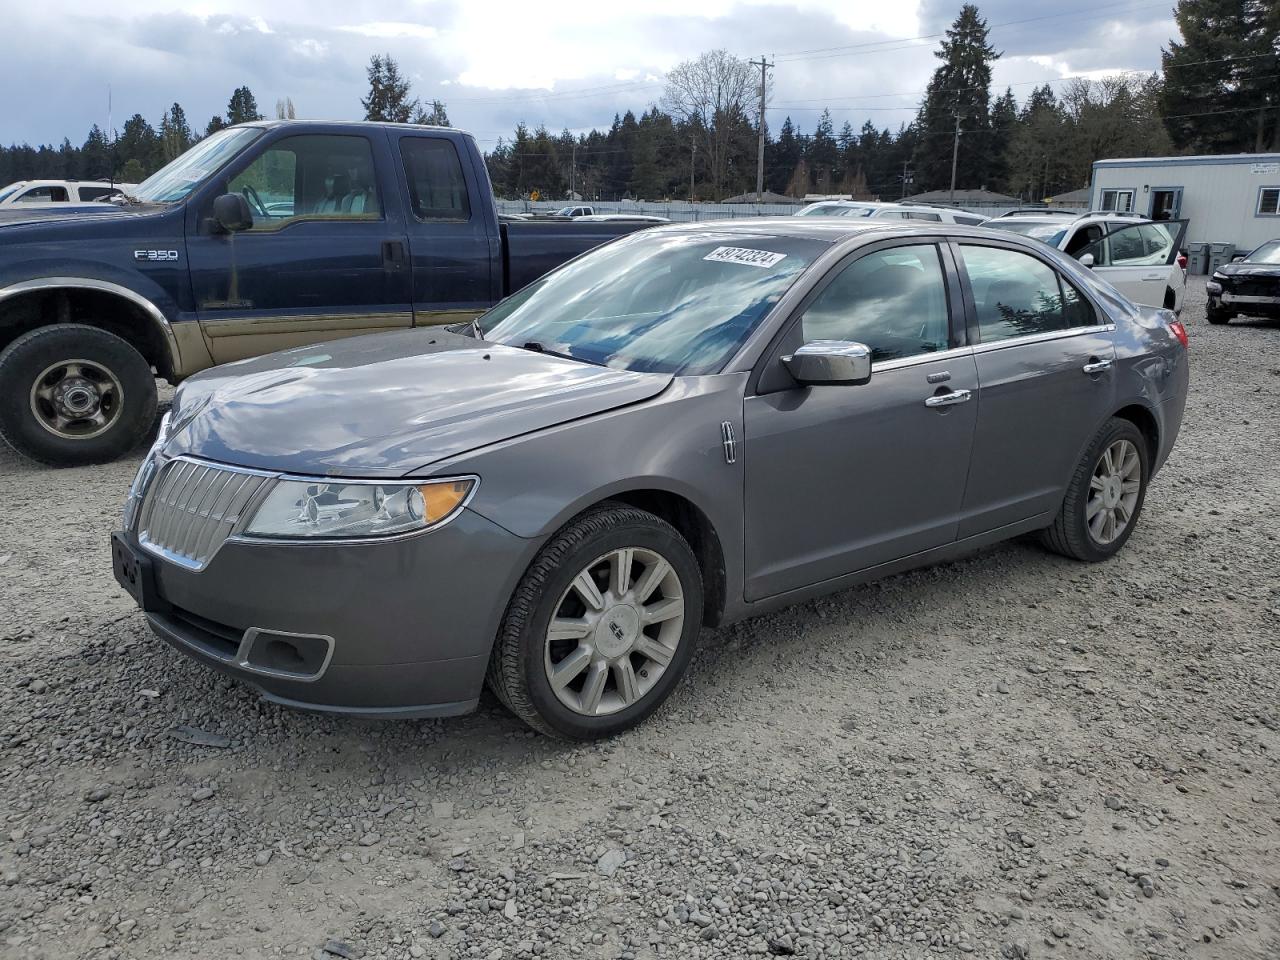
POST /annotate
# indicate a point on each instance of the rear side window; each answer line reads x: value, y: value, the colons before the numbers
x: 93, y: 193
x: 894, y: 301
x: 1016, y: 294
x: 43, y: 195
x: 437, y: 188
x: 969, y: 221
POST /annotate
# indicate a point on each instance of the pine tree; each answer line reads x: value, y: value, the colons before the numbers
x: 95, y: 156
x: 824, y: 153
x: 388, y: 98
x: 242, y: 108
x: 175, y: 134
x: 437, y: 116
x: 1220, y: 91
x: 783, y: 159
x: 1004, y: 121
x: 137, y: 141
x: 960, y: 89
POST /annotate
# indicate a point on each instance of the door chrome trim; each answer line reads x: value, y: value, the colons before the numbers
x: 1043, y: 337
x: 920, y: 358
x: 103, y: 286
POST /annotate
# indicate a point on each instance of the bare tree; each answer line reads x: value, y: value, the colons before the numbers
x: 711, y: 95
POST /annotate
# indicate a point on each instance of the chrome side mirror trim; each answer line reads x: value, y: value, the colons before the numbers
x: 828, y: 362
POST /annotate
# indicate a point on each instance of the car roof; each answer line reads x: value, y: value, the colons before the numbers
x: 828, y: 229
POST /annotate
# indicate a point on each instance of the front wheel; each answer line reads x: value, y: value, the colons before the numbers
x: 602, y: 626
x: 72, y: 394
x: 1105, y: 495
x: 1217, y: 316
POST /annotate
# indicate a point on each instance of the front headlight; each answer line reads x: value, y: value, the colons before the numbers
x: 342, y: 509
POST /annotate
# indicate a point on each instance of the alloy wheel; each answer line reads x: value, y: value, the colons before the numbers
x: 1113, y: 491
x: 614, y: 632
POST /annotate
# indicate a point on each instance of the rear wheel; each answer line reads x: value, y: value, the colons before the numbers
x: 74, y: 394
x: 602, y: 626
x: 1104, y: 497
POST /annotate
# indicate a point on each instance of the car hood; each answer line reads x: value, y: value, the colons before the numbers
x: 19, y: 215
x: 1249, y: 270
x: 387, y: 404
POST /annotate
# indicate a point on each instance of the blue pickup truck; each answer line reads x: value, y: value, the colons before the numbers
x: 262, y: 236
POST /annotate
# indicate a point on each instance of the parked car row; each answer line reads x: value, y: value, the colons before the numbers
x: 891, y: 211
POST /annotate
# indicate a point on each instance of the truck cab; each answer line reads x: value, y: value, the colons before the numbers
x: 263, y: 236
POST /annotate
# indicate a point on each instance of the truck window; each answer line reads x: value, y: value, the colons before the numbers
x: 437, y: 188
x: 43, y: 195
x: 310, y: 177
x: 93, y: 193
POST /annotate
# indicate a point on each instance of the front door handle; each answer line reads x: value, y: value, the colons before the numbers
x: 947, y: 399
x: 1096, y: 366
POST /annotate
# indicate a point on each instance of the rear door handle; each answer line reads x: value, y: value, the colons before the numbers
x: 1097, y: 366
x: 392, y: 254
x: 949, y: 398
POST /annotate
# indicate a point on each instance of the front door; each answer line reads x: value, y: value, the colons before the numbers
x: 325, y: 257
x: 1137, y: 259
x: 841, y: 478
x: 1166, y: 203
x: 1045, y: 361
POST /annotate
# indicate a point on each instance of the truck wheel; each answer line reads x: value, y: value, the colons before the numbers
x: 72, y: 394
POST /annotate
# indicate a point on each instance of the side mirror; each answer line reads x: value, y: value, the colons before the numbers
x: 830, y: 362
x: 231, y: 213
x: 1086, y: 260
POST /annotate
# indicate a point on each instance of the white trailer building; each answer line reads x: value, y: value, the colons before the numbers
x: 1233, y: 198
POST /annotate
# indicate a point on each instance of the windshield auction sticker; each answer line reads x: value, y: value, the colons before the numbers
x: 744, y: 256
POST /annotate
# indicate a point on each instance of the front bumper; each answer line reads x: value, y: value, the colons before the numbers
x: 389, y: 628
x: 1251, y: 304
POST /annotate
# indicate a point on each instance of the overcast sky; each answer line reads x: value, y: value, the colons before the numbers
x: 563, y: 64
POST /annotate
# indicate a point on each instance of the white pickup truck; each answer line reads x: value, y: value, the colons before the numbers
x: 45, y: 193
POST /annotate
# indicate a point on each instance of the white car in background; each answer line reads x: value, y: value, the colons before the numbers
x: 47, y: 193
x: 891, y: 211
x: 1141, y: 258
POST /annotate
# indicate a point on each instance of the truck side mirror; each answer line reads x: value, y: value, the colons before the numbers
x: 1086, y: 260
x: 231, y: 213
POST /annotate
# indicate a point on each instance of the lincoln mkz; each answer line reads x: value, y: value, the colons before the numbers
x: 687, y: 426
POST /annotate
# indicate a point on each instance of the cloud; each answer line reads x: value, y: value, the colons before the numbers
x: 574, y: 65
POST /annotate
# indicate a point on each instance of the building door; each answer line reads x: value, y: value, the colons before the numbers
x: 1166, y: 203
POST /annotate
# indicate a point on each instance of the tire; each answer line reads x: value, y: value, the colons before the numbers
x: 72, y: 394
x: 524, y: 654
x: 1071, y: 533
x: 1217, y: 317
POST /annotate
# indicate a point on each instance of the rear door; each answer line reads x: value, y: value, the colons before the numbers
x: 452, y: 248
x: 1045, y: 358
x: 1137, y: 259
x: 325, y: 257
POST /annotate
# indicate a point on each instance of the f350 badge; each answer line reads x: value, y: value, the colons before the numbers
x: 155, y: 255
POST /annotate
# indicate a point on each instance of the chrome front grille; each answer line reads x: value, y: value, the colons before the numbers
x: 192, y: 507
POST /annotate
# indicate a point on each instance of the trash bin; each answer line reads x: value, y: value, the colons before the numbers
x: 1198, y: 262
x: 1220, y: 253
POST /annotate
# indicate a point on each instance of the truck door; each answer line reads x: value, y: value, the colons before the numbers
x: 325, y: 257
x: 451, y: 243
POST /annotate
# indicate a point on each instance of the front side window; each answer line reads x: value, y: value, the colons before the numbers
x: 894, y: 301
x: 437, y: 188
x: 43, y: 195
x: 680, y: 303
x: 1269, y: 202
x: 1016, y: 295
x: 1120, y: 201
x: 310, y: 177
x: 1135, y: 245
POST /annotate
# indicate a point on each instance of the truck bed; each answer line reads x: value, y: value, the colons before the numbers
x: 530, y: 248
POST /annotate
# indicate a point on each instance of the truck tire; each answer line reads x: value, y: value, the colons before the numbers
x: 72, y: 394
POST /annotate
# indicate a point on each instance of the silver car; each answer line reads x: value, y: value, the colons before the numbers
x: 691, y: 425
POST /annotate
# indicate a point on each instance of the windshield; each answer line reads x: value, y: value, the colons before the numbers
x: 1269, y: 252
x: 834, y: 210
x: 658, y: 302
x: 9, y: 191
x: 1050, y: 233
x: 175, y: 180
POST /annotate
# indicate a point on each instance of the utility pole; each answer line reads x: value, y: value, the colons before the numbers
x: 905, y: 181
x: 764, y: 66
x: 692, y: 156
x: 573, y: 166
x: 955, y: 155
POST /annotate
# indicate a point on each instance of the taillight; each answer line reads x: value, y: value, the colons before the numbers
x: 1179, y: 331
x: 1182, y: 260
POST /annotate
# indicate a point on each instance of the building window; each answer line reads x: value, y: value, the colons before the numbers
x: 1269, y: 202
x: 1121, y: 201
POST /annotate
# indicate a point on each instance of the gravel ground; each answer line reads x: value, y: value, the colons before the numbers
x: 1012, y: 756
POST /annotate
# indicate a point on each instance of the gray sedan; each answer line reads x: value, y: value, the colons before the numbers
x: 691, y: 425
